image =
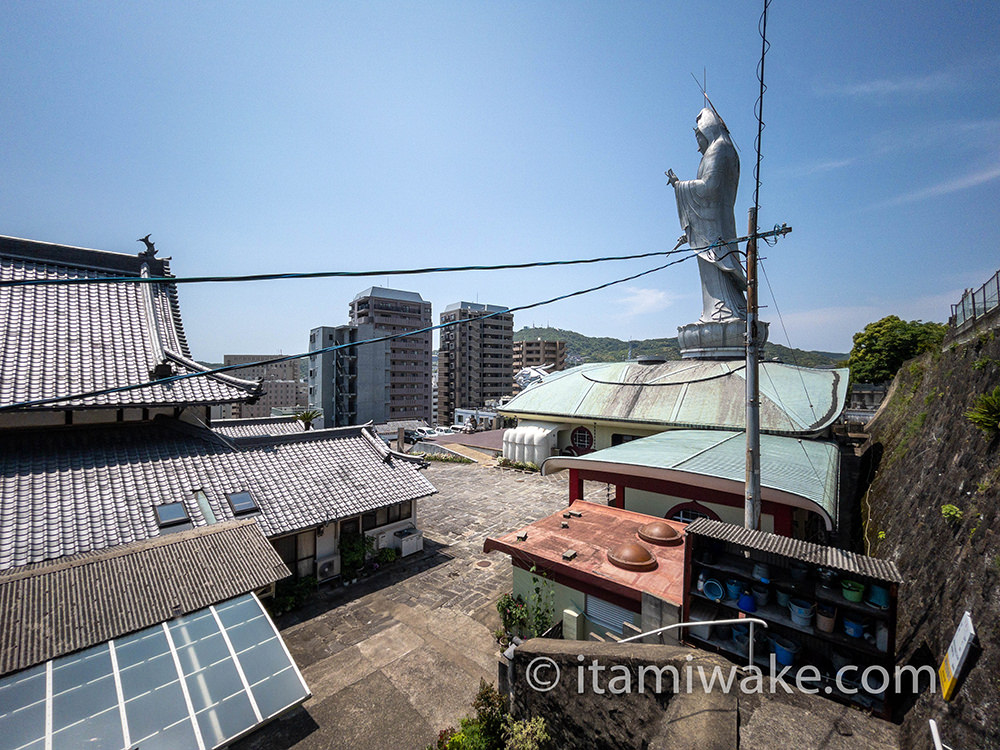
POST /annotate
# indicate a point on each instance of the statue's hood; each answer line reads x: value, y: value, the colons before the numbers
x: 711, y: 125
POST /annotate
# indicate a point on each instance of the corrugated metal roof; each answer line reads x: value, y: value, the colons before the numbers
x: 807, y: 468
x: 56, y: 608
x: 807, y: 552
x: 688, y: 393
x: 59, y: 340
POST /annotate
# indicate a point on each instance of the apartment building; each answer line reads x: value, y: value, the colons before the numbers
x: 283, y: 388
x: 475, y: 358
x: 379, y: 382
x: 537, y: 353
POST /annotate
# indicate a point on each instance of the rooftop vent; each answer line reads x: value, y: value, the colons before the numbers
x: 659, y: 532
x: 632, y: 556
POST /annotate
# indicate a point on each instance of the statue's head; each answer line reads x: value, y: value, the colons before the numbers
x: 710, y: 127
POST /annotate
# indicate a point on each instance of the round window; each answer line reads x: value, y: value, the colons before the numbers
x: 582, y: 439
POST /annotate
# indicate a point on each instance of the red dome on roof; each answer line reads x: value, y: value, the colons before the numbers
x: 659, y: 532
x: 632, y: 556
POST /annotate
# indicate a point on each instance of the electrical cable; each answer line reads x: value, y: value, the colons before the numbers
x: 759, y: 108
x: 336, y: 347
x: 788, y: 340
x: 778, y: 231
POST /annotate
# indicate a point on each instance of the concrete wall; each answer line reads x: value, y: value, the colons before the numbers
x: 564, y: 597
x: 579, y: 716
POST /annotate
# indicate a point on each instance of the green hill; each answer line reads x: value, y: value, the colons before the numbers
x: 580, y: 348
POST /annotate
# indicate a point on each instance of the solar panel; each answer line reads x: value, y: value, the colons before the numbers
x: 196, y: 681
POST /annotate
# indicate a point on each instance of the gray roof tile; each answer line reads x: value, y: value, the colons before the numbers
x: 77, y: 489
x: 63, y: 340
x: 262, y: 426
x: 60, y: 607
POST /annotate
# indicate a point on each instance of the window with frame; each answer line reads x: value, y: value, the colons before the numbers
x: 688, y: 512
x: 582, y: 439
x: 369, y: 521
x: 242, y: 503
x: 171, y: 517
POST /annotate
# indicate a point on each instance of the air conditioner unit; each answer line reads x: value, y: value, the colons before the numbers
x: 327, y: 567
x: 382, y: 541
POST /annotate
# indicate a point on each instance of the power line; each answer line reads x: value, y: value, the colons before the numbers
x: 788, y: 340
x: 336, y: 347
x: 356, y: 274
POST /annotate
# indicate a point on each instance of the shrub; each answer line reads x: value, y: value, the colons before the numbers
x: 506, y: 463
x: 985, y: 412
x: 951, y: 513
x: 513, y: 613
x: 491, y: 712
x: 527, y: 734
x: 447, y: 458
x: 387, y: 555
x: 354, y: 550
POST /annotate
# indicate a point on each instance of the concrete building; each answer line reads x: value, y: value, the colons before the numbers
x: 377, y: 382
x: 476, y: 358
x: 537, y: 353
x: 282, y: 386
x: 549, y: 355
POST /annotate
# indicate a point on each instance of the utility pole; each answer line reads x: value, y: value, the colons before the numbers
x: 752, y: 489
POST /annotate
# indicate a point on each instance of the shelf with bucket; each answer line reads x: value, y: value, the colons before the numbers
x: 799, y: 615
x: 870, y: 601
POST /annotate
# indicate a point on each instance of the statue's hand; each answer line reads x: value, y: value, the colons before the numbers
x: 672, y: 179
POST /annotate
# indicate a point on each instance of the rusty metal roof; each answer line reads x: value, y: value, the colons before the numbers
x: 807, y: 552
x: 687, y: 393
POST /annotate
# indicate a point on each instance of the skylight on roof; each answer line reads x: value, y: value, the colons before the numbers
x: 173, y: 517
x: 242, y: 503
x: 200, y: 681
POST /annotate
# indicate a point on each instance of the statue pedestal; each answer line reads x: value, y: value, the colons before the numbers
x: 716, y: 340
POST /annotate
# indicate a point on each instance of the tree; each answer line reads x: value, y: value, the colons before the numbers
x: 883, y: 346
x: 306, y: 417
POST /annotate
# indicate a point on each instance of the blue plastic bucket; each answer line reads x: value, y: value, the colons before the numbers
x: 784, y: 650
x: 801, y: 611
x: 733, y: 589
x: 853, y: 628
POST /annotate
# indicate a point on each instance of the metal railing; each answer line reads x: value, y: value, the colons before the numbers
x: 735, y: 621
x: 936, y: 737
x: 975, y: 303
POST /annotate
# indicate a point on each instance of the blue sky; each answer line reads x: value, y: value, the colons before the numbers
x: 271, y: 137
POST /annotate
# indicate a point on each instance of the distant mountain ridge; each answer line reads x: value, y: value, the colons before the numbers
x: 605, y: 349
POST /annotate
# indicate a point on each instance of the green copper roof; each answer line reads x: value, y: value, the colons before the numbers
x: 808, y: 469
x: 688, y: 393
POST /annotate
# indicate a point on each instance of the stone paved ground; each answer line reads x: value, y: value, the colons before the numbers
x: 394, y: 659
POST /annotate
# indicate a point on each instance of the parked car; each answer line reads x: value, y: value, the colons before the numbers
x: 410, y: 436
x: 444, y: 430
x: 425, y: 432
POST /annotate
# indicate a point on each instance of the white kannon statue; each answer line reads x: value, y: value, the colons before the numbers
x: 705, y: 206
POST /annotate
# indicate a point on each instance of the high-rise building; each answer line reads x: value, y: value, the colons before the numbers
x: 377, y: 382
x: 539, y: 353
x: 475, y: 359
x: 282, y: 389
